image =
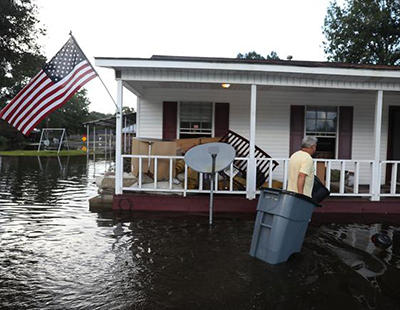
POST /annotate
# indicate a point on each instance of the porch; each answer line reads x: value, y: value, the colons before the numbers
x: 264, y: 98
x: 341, y: 177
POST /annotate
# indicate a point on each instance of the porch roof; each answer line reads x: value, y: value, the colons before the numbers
x: 293, y: 73
x: 109, y: 122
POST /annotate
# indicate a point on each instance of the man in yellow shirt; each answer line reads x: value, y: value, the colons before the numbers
x: 301, y: 168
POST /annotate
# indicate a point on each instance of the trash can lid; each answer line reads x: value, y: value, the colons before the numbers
x: 297, y: 195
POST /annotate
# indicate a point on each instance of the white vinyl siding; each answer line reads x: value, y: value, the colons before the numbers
x: 273, y: 114
x: 151, y: 118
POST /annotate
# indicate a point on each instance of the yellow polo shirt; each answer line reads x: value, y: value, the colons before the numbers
x: 301, y: 162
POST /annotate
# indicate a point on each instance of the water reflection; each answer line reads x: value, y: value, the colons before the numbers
x: 55, y: 254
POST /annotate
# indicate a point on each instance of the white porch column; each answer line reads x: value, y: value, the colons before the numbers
x: 251, y: 165
x: 94, y: 140
x: 87, y: 139
x: 377, y: 139
x: 137, y: 117
x: 118, y: 140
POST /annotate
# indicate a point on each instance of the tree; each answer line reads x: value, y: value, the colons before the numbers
x: 256, y: 56
x: 20, y: 60
x: 363, y: 31
x: 250, y: 55
x: 273, y: 55
x: 127, y: 110
x: 20, y: 55
x: 94, y: 115
x: 71, y: 115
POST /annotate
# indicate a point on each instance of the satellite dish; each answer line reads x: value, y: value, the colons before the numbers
x: 199, y: 157
x: 210, y: 158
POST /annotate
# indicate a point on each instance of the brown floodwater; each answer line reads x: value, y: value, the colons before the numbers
x: 56, y: 254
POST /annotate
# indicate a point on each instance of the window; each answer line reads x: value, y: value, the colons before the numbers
x: 195, y: 119
x: 322, y: 123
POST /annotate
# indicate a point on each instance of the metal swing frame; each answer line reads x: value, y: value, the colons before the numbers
x: 63, y: 137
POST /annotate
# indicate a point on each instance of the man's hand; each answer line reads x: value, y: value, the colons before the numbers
x: 301, y: 179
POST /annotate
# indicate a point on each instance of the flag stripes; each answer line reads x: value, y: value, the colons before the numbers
x: 42, y: 83
x: 21, y: 95
x: 54, y: 104
x: 48, y: 92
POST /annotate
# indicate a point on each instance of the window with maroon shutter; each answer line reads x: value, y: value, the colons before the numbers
x: 170, y: 110
x: 321, y: 122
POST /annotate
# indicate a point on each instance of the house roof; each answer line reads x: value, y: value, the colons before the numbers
x: 298, y: 63
x: 109, y: 122
x: 136, y: 73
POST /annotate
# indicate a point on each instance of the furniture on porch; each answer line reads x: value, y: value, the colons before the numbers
x: 242, y: 148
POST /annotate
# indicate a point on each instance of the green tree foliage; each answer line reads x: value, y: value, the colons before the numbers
x: 20, y: 55
x: 71, y: 115
x: 20, y: 60
x: 363, y: 31
x: 273, y: 55
x: 250, y: 55
x: 94, y: 115
x: 127, y: 110
x: 256, y: 56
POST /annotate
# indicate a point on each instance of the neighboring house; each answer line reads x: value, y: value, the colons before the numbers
x: 354, y: 110
x: 100, y: 133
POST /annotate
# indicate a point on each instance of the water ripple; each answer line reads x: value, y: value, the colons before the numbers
x: 55, y: 254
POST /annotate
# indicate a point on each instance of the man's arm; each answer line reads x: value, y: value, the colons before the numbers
x: 300, y: 182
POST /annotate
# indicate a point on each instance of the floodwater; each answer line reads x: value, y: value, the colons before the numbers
x: 55, y: 254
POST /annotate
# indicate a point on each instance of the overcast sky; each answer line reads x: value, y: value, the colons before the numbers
x: 129, y: 28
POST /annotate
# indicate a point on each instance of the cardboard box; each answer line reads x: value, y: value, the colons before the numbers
x: 166, y: 148
x: 209, y: 140
x: 155, y: 147
x: 183, y: 145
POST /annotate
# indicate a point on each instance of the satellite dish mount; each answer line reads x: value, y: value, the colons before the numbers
x: 210, y: 158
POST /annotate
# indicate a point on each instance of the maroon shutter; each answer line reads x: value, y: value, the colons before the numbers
x: 170, y: 110
x: 221, y: 118
x: 296, y: 127
x: 345, y: 132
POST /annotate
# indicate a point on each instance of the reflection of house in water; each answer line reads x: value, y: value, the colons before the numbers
x: 353, y: 246
x: 360, y: 238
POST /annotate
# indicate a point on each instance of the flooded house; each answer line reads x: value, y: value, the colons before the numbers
x: 264, y: 108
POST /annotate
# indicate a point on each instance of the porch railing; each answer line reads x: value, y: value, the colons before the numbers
x: 389, y: 169
x: 182, y: 187
x: 344, y: 178
x: 337, y: 175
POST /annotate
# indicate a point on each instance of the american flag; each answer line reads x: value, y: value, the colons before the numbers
x: 51, y: 88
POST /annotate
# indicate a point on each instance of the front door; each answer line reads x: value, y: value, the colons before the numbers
x: 393, y: 151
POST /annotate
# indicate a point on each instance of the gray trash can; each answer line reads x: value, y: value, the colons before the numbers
x: 281, y: 224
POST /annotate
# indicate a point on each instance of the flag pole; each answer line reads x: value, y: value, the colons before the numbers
x: 112, y: 98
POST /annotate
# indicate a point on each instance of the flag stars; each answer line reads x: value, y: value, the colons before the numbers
x: 64, y: 62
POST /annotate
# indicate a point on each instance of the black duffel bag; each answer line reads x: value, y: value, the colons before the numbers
x: 319, y: 191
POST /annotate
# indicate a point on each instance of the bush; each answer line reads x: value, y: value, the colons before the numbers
x: 3, y: 143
